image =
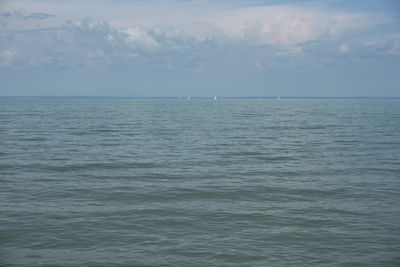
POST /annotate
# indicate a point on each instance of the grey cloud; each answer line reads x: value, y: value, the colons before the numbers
x: 358, y: 51
x: 388, y: 47
x: 6, y: 14
x: 20, y: 14
x: 38, y: 16
x: 95, y: 43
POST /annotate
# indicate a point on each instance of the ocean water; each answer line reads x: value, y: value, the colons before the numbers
x: 168, y: 182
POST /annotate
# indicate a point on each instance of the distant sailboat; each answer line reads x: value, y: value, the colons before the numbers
x: 188, y: 98
x: 215, y: 98
x: 278, y: 98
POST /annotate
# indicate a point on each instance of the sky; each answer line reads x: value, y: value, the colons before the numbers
x: 325, y: 48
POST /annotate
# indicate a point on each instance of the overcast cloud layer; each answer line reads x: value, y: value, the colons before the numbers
x: 200, y: 48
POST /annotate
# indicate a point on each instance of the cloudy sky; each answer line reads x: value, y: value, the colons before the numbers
x: 200, y: 48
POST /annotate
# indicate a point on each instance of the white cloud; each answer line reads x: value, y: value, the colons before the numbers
x: 344, y: 48
x: 385, y: 45
x: 257, y: 25
x: 289, y: 25
x: 139, y: 38
x: 7, y: 57
x: 131, y: 31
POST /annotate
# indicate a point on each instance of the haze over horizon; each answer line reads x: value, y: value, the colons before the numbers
x: 201, y: 48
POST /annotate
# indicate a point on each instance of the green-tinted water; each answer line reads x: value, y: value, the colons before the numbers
x: 233, y: 182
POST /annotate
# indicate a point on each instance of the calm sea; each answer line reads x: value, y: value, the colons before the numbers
x: 201, y: 182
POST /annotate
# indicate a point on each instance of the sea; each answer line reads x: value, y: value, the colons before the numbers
x: 199, y: 182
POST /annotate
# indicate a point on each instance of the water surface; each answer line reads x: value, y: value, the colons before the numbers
x: 168, y: 182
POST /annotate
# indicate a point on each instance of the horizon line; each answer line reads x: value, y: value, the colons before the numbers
x: 194, y: 97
